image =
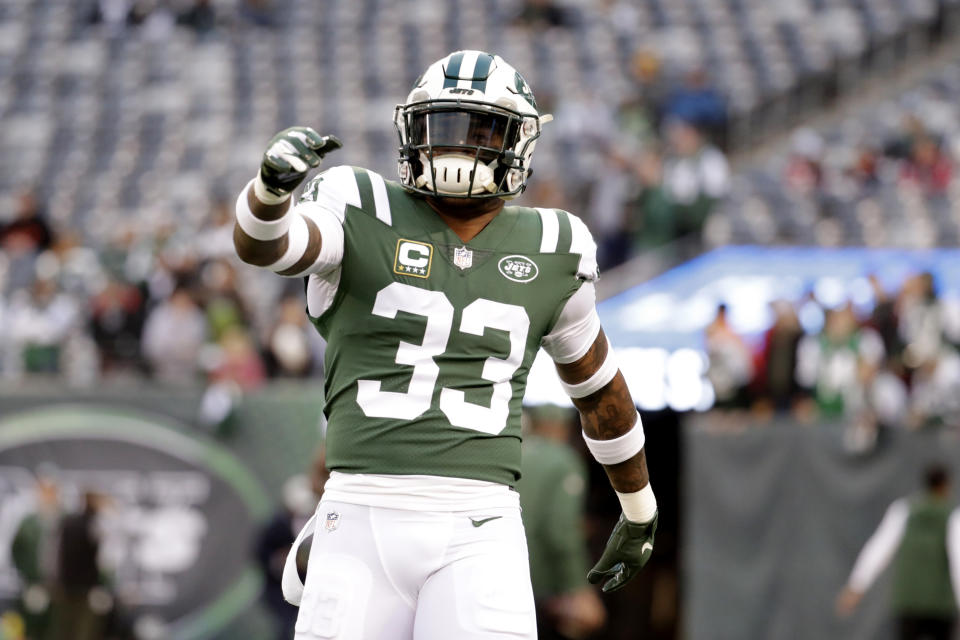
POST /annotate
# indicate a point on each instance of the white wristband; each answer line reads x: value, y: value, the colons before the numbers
x: 639, y: 506
x: 264, y: 196
x: 597, y: 381
x: 618, y: 449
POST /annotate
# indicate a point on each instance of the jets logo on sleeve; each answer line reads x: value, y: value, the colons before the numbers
x: 413, y: 258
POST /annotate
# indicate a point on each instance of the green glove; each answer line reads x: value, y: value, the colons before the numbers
x: 290, y: 156
x: 628, y: 549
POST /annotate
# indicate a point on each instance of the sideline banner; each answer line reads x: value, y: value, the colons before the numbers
x: 184, y: 509
x: 775, y: 517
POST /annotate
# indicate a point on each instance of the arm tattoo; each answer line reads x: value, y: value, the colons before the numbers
x: 606, y: 414
x: 580, y: 370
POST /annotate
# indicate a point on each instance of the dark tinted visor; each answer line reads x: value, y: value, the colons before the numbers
x: 458, y: 128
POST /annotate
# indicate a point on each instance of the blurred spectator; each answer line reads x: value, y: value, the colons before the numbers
x: 116, y: 321
x: 273, y: 544
x: 172, y: 337
x: 23, y: 237
x: 697, y: 103
x: 778, y: 358
x: 260, y: 13
x: 883, y: 319
x: 216, y: 239
x: 921, y: 535
x: 836, y: 363
x: 289, y: 345
x: 201, y: 16
x: 552, y: 505
x: 641, y: 116
x: 927, y: 168
x: 34, y: 555
x: 696, y: 175
x: 731, y: 364
x: 39, y: 324
x: 81, y: 602
x: 545, y: 13
x: 608, y: 198
x: 804, y: 172
x: 653, y: 219
x: 222, y: 304
x: 237, y: 361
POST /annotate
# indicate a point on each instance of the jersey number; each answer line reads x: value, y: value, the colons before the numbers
x: 475, y: 319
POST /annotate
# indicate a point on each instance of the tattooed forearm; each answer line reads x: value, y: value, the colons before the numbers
x: 630, y: 475
x: 607, y: 414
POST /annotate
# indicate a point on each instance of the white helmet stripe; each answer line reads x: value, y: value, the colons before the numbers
x: 466, y: 69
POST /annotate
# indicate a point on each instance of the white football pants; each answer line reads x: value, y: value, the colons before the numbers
x: 393, y: 574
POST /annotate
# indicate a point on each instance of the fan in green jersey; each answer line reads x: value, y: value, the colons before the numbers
x: 434, y: 299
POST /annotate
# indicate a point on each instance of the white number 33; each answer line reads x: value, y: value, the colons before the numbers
x: 475, y: 319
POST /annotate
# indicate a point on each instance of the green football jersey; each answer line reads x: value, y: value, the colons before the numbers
x: 430, y: 339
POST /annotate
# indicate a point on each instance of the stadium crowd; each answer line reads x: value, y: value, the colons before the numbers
x: 167, y: 298
x: 893, y: 362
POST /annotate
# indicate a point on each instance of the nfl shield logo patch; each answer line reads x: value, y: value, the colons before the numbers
x: 462, y: 258
x: 333, y: 521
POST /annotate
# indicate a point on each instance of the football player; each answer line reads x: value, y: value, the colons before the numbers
x: 434, y: 299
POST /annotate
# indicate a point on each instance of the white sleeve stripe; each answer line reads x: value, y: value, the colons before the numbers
x: 600, y: 378
x: 298, y: 237
x: 620, y: 448
x: 581, y: 242
x: 380, y: 200
x: 263, y: 230
x: 551, y: 230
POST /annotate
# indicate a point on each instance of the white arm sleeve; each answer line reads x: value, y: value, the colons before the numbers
x: 953, y: 552
x: 879, y: 550
x: 577, y: 327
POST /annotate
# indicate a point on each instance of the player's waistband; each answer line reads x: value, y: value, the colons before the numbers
x: 418, y: 492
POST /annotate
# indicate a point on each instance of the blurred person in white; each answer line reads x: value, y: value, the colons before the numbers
x: 731, y: 363
x: 172, y: 337
x: 215, y: 240
x: 836, y: 363
x: 695, y: 174
x: 40, y: 322
x: 920, y: 534
x: 294, y: 349
x: 930, y: 328
x: 925, y: 321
